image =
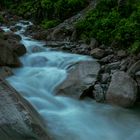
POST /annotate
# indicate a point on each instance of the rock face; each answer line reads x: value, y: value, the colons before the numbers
x: 18, y: 119
x: 81, y: 76
x: 122, y: 90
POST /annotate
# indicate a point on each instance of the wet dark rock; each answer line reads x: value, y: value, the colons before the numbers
x: 7, y: 56
x: 11, y: 36
x: 122, y: 90
x: 40, y: 35
x: 19, y: 49
x: 15, y: 28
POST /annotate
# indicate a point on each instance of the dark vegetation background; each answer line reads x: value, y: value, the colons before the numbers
x: 111, y: 22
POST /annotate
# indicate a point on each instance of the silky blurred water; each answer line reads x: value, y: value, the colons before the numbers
x: 67, y: 118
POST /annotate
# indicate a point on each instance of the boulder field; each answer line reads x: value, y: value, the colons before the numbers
x: 117, y: 66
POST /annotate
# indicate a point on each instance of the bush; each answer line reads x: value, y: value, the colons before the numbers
x: 107, y: 24
x: 135, y: 47
x: 49, y: 23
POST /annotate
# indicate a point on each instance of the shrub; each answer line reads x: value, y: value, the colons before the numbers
x: 107, y: 24
x: 49, y: 23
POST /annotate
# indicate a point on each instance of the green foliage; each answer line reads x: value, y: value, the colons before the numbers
x: 135, y: 47
x: 49, y: 9
x: 23, y: 9
x: 107, y: 24
x: 49, y: 23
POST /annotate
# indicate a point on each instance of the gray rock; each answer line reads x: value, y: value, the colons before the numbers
x: 93, y: 43
x: 122, y: 90
x: 98, y: 93
x: 97, y: 53
x: 80, y: 77
x: 18, y: 119
x: 121, y: 53
x: 124, y: 64
x: 19, y: 49
x: 112, y: 66
x: 5, y: 72
x: 84, y: 46
x: 137, y: 77
x: 105, y: 78
x: 134, y: 68
x: 107, y: 59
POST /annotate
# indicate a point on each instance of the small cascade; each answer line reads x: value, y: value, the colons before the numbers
x: 67, y: 118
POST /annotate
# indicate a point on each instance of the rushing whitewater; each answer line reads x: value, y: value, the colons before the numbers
x: 67, y: 118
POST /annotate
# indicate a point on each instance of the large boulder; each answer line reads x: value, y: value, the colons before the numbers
x: 18, y: 119
x: 80, y: 77
x: 7, y: 55
x: 19, y: 49
x: 14, y: 43
x: 97, y: 53
x: 122, y: 90
x: 12, y: 36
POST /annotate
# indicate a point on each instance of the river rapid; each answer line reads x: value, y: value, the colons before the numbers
x: 66, y: 118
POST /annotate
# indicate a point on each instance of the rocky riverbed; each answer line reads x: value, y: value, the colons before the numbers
x: 112, y: 77
x: 114, y: 63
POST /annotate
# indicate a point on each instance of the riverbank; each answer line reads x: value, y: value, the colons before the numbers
x: 114, y: 62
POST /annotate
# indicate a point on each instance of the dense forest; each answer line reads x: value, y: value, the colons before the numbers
x: 112, y: 21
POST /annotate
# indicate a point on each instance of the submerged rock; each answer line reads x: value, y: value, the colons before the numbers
x: 122, y: 90
x: 18, y: 119
x: 81, y: 76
